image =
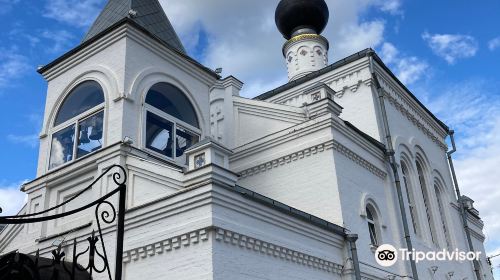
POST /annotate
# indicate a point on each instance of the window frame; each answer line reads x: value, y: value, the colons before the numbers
x: 375, y: 222
x: 426, y: 199
x: 75, y: 121
x: 410, y: 198
x: 442, y: 215
x: 176, y: 123
x: 88, y: 112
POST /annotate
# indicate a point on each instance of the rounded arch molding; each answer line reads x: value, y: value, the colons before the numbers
x: 151, y: 76
x: 403, y: 148
x: 368, y: 199
x: 446, y: 188
x: 102, y: 75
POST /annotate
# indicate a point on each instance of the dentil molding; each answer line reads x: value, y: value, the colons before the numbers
x: 230, y: 237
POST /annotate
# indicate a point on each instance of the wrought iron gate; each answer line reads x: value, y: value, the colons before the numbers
x: 17, y: 266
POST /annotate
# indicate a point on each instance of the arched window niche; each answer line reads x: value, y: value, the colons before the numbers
x: 441, y: 200
x: 373, y: 223
x: 410, y: 197
x: 78, y: 125
x: 370, y: 212
x: 171, y: 122
x: 426, y: 199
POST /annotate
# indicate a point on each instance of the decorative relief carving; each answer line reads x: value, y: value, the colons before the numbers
x: 351, y: 81
x: 216, y: 123
x: 316, y: 96
x: 263, y: 247
x: 199, y: 160
x: 311, y: 151
x: 347, y: 80
x: 355, y: 87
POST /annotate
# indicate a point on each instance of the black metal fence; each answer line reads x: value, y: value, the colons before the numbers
x: 18, y: 266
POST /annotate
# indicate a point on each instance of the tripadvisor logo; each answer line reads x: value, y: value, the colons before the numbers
x: 386, y: 255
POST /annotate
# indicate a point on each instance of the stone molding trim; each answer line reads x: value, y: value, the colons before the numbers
x: 341, y: 84
x: 243, y: 241
x: 332, y: 144
x: 167, y: 245
x: 233, y: 238
x: 414, y: 120
x: 414, y: 113
x: 352, y: 77
x: 340, y: 79
x: 359, y: 160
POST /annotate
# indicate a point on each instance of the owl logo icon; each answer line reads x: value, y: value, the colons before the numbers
x: 386, y: 255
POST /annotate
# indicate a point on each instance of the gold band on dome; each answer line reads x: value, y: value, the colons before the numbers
x: 304, y: 37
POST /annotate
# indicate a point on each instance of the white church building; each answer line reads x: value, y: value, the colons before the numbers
x: 303, y: 182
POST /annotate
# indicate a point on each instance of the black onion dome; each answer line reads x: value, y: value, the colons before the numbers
x: 292, y: 15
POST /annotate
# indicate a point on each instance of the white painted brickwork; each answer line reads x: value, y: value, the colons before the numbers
x: 187, y: 223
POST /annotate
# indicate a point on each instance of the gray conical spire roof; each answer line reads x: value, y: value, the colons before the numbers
x: 148, y: 13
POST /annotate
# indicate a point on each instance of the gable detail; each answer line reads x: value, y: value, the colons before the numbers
x: 342, y: 82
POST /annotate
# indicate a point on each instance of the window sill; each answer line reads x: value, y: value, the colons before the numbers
x: 373, y: 248
x: 78, y: 159
x: 159, y: 156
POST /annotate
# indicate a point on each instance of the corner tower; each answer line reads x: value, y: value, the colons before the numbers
x: 301, y: 23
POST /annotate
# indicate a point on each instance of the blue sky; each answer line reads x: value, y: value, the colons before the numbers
x: 447, y: 52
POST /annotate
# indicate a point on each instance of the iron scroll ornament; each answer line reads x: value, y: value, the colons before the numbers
x: 37, y: 268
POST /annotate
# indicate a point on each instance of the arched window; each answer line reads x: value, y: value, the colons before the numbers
x: 171, y: 122
x: 373, y: 225
x: 409, y: 197
x: 319, y: 56
x: 304, y: 56
x: 439, y: 199
x: 78, y: 126
x: 425, y: 197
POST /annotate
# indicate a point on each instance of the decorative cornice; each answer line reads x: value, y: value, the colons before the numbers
x: 341, y: 83
x: 413, y: 112
x: 351, y: 78
x: 263, y: 247
x: 359, y: 160
x: 167, y: 245
x: 233, y: 238
x: 402, y: 108
x: 298, y: 155
x: 292, y: 115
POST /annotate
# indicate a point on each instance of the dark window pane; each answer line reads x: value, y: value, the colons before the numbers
x: 409, y: 197
x: 90, y: 135
x: 62, y: 146
x: 373, y: 233
x: 426, y: 200
x: 369, y: 214
x: 172, y: 101
x: 442, y: 215
x: 184, y: 140
x: 85, y: 96
x: 159, y: 134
